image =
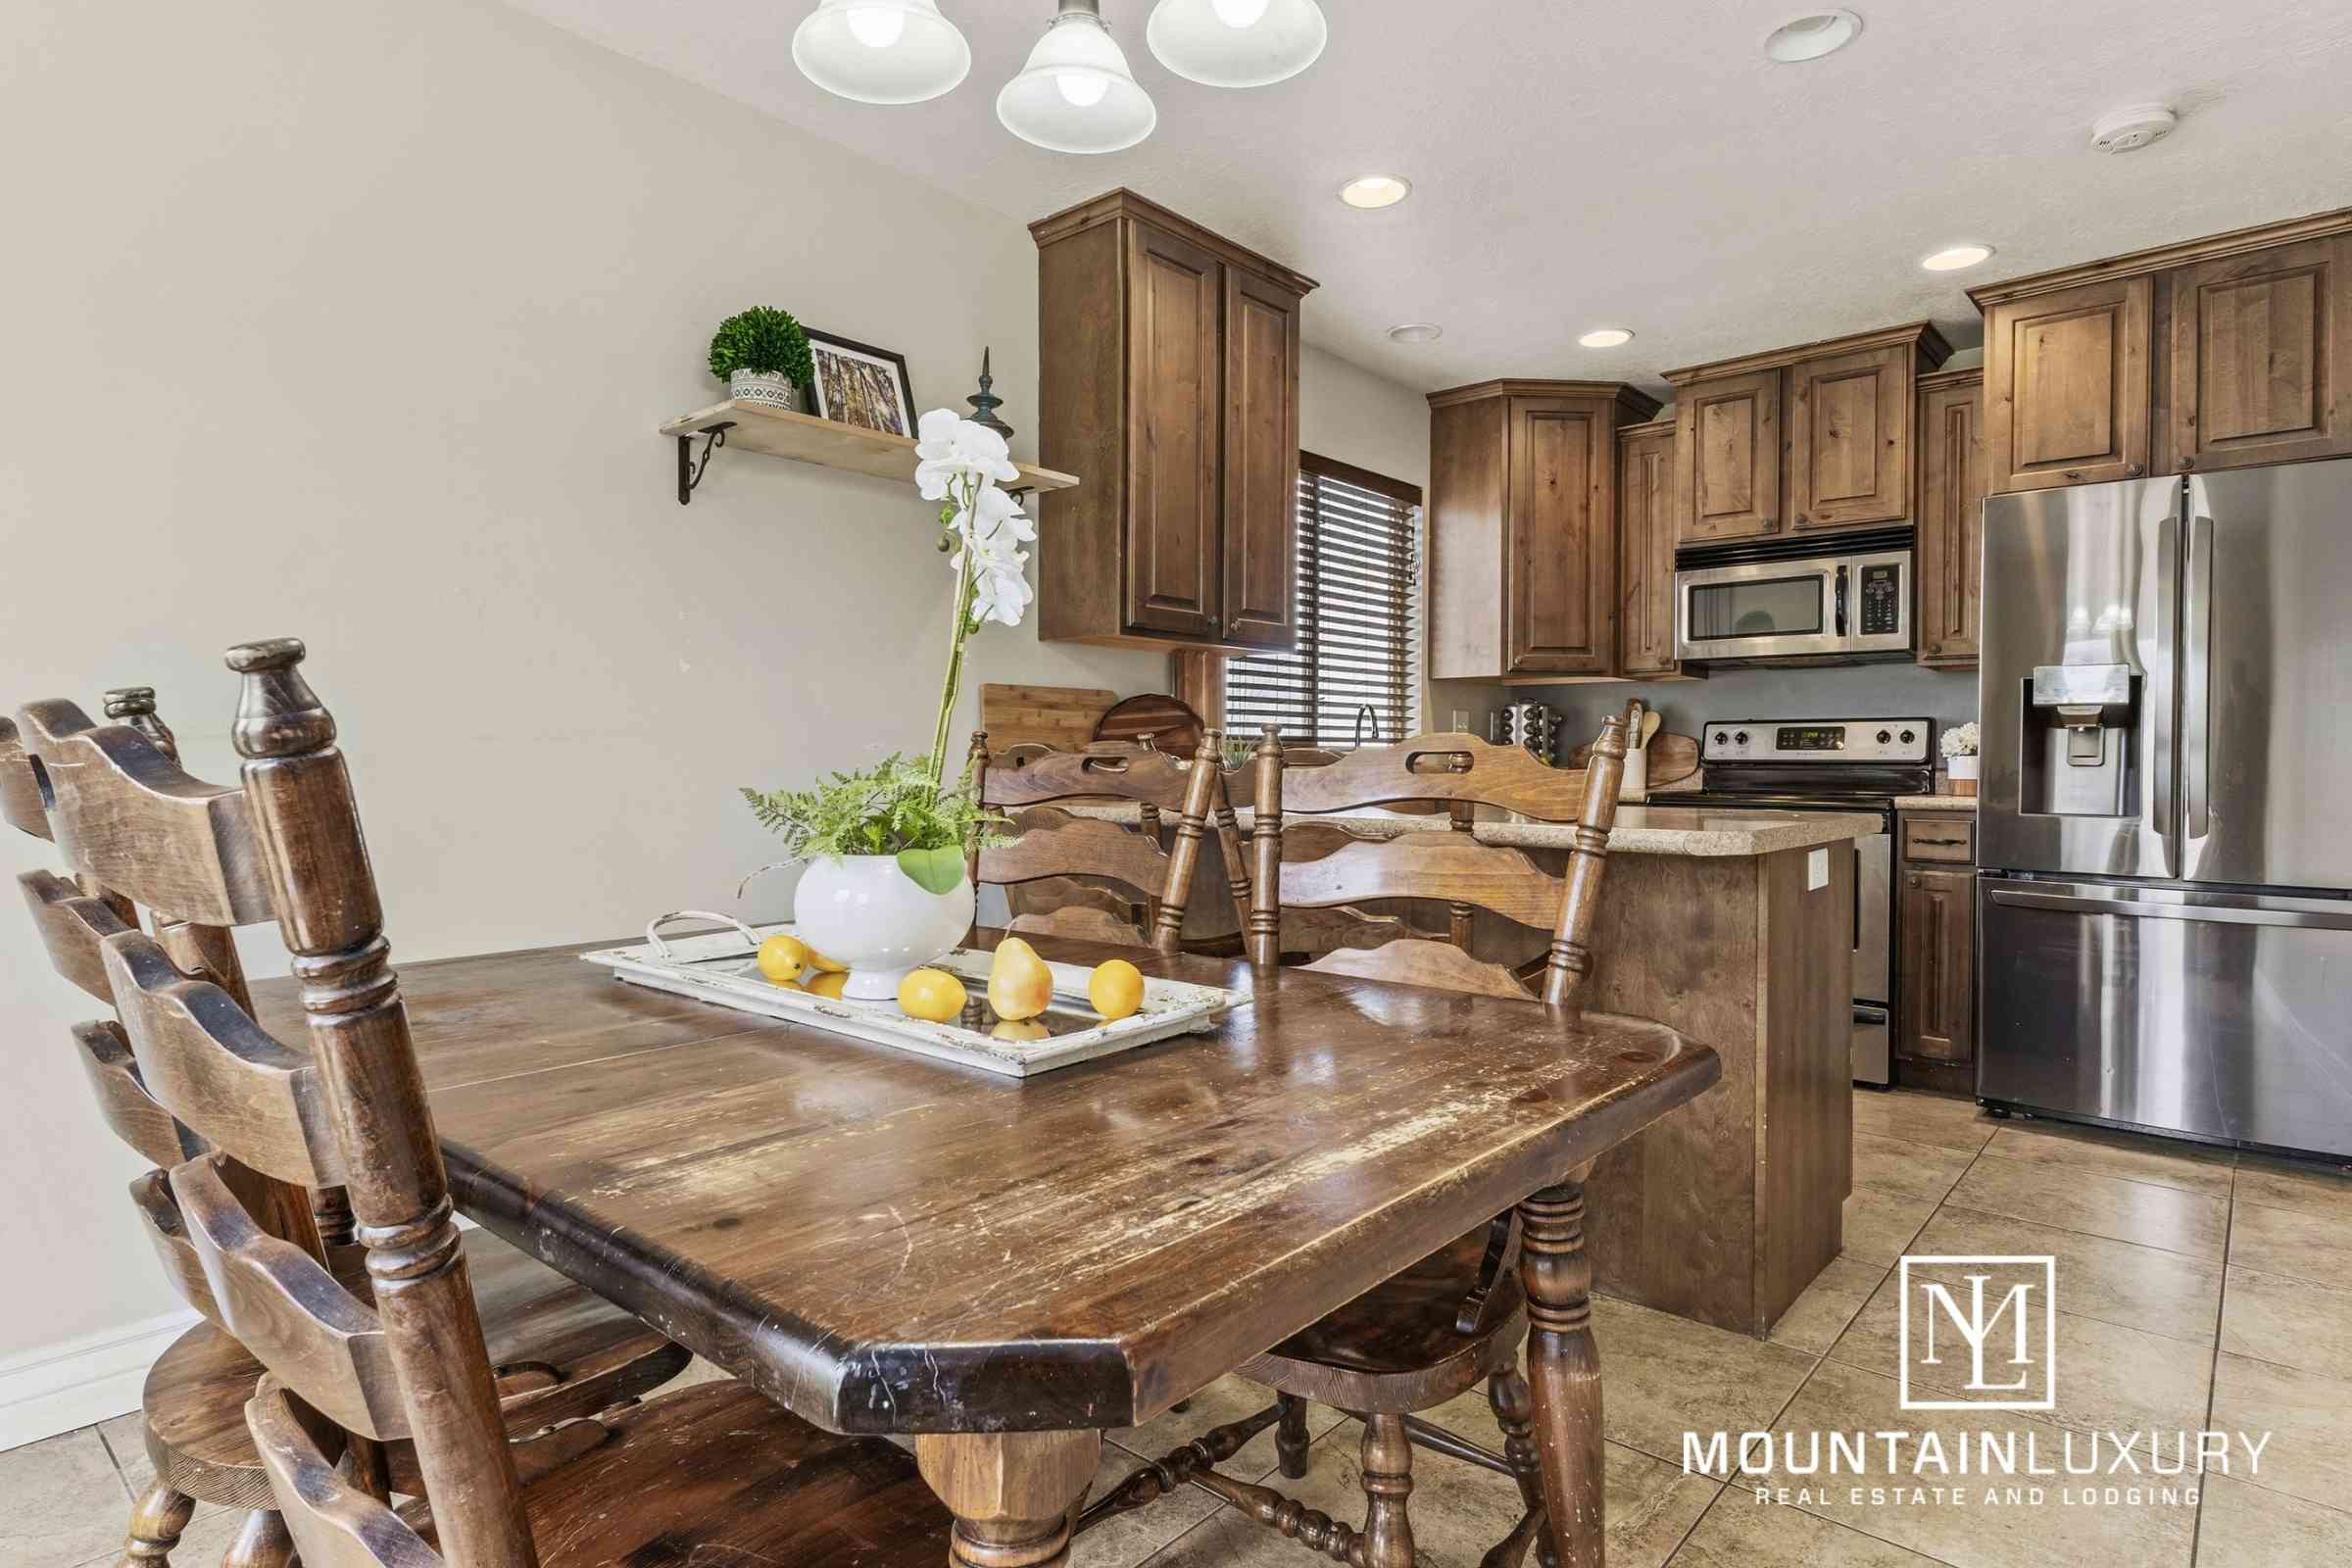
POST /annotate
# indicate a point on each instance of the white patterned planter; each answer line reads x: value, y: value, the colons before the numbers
x: 765, y: 388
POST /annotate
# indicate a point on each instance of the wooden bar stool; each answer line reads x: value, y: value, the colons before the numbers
x: 1458, y: 1316
x: 562, y: 1351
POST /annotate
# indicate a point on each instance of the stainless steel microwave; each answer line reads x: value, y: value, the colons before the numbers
x: 1793, y: 599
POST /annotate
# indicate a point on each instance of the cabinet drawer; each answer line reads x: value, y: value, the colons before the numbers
x: 1949, y: 837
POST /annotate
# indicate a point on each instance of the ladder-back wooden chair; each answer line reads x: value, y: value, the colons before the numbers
x: 1055, y: 847
x: 140, y: 830
x: 1458, y: 1316
x: 397, y: 1354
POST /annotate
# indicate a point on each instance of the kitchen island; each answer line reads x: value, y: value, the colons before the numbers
x: 1735, y: 927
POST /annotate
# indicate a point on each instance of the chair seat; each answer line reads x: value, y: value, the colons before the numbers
x: 1397, y: 1349
x: 718, y: 1474
x: 546, y: 1334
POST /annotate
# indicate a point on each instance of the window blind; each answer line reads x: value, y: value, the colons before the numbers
x: 1356, y: 601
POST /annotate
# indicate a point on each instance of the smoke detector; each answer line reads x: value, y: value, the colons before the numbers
x: 2127, y: 131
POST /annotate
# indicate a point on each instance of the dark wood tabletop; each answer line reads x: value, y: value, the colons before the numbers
x: 888, y: 1244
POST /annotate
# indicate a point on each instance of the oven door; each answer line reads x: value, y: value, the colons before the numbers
x: 1808, y: 607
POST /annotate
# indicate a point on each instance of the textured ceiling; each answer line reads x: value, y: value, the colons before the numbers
x: 1586, y: 163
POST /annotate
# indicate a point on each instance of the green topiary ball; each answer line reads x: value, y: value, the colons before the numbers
x: 764, y: 341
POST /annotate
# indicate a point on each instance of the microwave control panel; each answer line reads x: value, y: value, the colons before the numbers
x: 1881, y: 610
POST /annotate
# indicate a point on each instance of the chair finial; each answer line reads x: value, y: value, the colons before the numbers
x: 134, y: 706
x: 278, y: 714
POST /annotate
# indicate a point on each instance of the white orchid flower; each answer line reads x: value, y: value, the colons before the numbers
x: 950, y: 449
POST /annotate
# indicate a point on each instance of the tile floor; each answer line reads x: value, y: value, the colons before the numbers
x: 2195, y: 1289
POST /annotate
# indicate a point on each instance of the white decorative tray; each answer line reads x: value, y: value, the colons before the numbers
x: 719, y: 969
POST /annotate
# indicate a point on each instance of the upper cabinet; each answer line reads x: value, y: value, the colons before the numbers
x: 1951, y: 517
x: 2218, y: 353
x: 1169, y: 376
x: 1523, y: 528
x: 1645, y: 502
x: 1814, y: 438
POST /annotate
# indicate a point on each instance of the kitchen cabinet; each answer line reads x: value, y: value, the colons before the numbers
x: 1810, y: 439
x: 1523, y: 528
x: 1646, y: 464
x: 2214, y: 352
x: 1168, y: 380
x: 1951, y: 517
x: 1936, y: 950
x: 2260, y: 353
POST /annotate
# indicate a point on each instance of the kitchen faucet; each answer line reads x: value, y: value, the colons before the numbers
x: 1366, y: 711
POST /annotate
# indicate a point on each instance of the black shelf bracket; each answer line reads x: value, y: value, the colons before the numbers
x: 690, y: 468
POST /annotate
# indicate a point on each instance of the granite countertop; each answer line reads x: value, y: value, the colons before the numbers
x: 1935, y: 803
x: 1639, y: 830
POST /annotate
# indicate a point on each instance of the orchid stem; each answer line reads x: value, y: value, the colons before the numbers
x: 967, y: 584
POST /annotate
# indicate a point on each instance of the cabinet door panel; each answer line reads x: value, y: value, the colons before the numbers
x: 1938, y: 966
x: 2261, y: 345
x: 1261, y: 461
x: 1951, y: 524
x: 1559, y: 551
x: 1728, y: 482
x: 1176, y: 402
x: 2067, y: 388
x: 1646, y: 556
x: 1849, y: 439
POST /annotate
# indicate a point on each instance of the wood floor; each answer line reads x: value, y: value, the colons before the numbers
x: 2194, y: 1290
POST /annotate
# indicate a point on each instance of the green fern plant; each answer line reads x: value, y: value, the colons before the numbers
x: 764, y: 341
x: 895, y: 808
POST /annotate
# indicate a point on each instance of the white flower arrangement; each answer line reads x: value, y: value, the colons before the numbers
x: 1961, y: 740
x: 960, y: 463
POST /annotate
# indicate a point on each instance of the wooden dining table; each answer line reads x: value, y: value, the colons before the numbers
x: 1006, y: 1267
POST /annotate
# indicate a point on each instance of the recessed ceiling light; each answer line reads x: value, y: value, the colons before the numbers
x: 1952, y: 258
x: 1812, y: 36
x: 1376, y: 190
x: 1418, y: 332
x: 1606, y: 337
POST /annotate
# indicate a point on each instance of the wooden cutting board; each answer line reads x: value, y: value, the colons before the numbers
x: 1168, y: 724
x: 1672, y: 758
x: 1060, y: 716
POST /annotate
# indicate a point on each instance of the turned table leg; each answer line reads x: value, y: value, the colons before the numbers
x: 1563, y: 1368
x: 263, y: 1543
x: 156, y: 1523
x: 1014, y: 1494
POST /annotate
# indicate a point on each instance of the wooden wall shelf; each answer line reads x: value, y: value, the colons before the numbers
x: 806, y: 438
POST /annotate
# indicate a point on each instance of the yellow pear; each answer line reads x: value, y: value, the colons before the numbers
x: 1020, y: 985
x: 829, y: 983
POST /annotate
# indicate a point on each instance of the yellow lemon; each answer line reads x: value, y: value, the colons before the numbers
x: 1115, y: 988
x: 782, y: 959
x: 829, y: 983
x: 824, y: 966
x: 1020, y: 1029
x: 932, y: 995
x: 1020, y: 985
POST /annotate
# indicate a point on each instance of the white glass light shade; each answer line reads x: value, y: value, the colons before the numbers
x: 1236, y: 43
x: 1076, y: 94
x: 881, y: 51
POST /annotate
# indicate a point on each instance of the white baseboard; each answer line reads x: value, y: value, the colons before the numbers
x: 79, y: 1381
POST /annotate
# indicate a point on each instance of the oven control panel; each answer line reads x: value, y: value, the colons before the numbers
x: 1819, y: 740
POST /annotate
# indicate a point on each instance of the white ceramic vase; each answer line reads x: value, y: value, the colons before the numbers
x: 864, y: 911
x: 764, y: 387
x: 1962, y: 771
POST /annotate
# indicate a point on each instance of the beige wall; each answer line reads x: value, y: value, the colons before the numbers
x: 354, y: 321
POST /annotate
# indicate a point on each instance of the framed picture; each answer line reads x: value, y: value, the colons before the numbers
x: 859, y: 384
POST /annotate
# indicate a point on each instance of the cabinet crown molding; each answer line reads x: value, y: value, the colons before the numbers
x: 1665, y: 426
x: 1113, y: 205
x: 2163, y: 258
x: 1930, y: 380
x: 1923, y: 334
x: 1639, y: 404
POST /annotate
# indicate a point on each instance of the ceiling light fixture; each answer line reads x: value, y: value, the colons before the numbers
x: 1952, y: 258
x: 1076, y: 94
x: 1375, y: 191
x: 1418, y: 332
x: 1236, y: 43
x: 1810, y: 37
x: 1606, y: 337
x: 881, y: 51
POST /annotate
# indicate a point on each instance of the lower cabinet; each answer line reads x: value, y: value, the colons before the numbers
x: 1935, y: 951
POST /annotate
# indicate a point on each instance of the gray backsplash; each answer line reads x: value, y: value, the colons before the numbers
x: 1839, y: 691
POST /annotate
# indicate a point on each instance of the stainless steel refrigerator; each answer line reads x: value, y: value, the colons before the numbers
x: 2164, y: 912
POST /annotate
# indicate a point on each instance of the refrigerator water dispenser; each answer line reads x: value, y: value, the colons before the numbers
x: 2078, y: 724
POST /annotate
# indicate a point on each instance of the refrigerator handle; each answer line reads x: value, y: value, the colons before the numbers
x: 2196, y: 679
x: 2160, y: 760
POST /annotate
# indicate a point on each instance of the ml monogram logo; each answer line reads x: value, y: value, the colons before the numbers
x: 1983, y: 1329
